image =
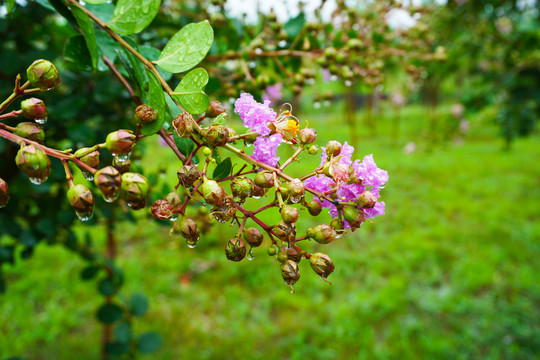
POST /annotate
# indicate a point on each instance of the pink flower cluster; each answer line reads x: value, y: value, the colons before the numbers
x: 256, y: 116
x: 369, y: 177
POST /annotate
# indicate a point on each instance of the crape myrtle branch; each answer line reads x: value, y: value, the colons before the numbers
x: 350, y: 190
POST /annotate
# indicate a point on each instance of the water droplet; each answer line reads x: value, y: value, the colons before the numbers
x: 111, y: 198
x: 191, y: 243
x: 250, y: 255
x: 258, y: 51
x: 122, y: 157
x: 333, y: 78
x: 88, y: 175
x: 316, y: 104
x: 348, y: 83
x: 2, y: 206
x: 42, y: 121
x: 256, y: 197
x: 37, y: 180
x: 297, y: 199
x: 174, y: 217
x: 252, y: 64
x: 249, y: 145
x: 338, y: 236
x: 282, y: 43
x: 83, y: 216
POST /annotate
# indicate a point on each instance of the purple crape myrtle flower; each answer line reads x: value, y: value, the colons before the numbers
x: 369, y: 173
x: 265, y: 149
x: 273, y: 93
x: 321, y: 184
x: 254, y: 114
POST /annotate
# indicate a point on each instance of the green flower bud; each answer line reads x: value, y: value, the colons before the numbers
x: 162, y: 210
x: 207, y: 151
x: 354, y: 216
x: 34, y: 162
x: 184, y: 124
x: 366, y: 200
x: 294, y: 255
x: 330, y: 52
x: 241, y: 187
x: 90, y: 158
x: 235, y: 250
x: 354, y: 44
x: 120, y: 142
x: 215, y: 109
x: 284, y: 231
x: 264, y: 179
x: 321, y: 264
x: 272, y: 250
x: 296, y: 188
x: 250, y: 139
x: 122, y: 165
x: 314, y: 207
x: 134, y: 187
x: 34, y: 109
x: 174, y: 199
x: 289, y: 214
x: 217, y: 135
x: 253, y: 237
x: 190, y: 232
x: 333, y: 148
x: 109, y: 181
x: 30, y: 131
x: 282, y: 257
x: 257, y: 192
x: 212, y: 192
x: 82, y: 200
x: 307, y: 136
x: 337, y: 224
x: 144, y: 114
x: 313, y: 149
x: 43, y: 74
x: 290, y: 272
x: 188, y: 174
x: 4, y: 193
x: 323, y: 234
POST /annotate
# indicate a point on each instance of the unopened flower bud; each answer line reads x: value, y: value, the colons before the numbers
x: 188, y: 174
x: 307, y: 136
x: 248, y: 140
x: 257, y: 192
x: 174, y: 199
x: 321, y: 264
x: 314, y: 207
x: 284, y: 231
x: 294, y: 255
x: 235, y: 250
x: 264, y: 179
x: 212, y: 192
x: 184, y: 124
x: 137, y: 204
x: 313, y: 149
x: 289, y: 214
x: 290, y: 272
x: 144, y: 114
x: 162, y: 210
x: 253, y: 237
x: 190, y: 232
x: 30, y: 131
x: 217, y: 135
x: 333, y: 148
x: 90, y: 158
x: 225, y: 211
x: 109, y: 181
x: 34, y: 162
x: 207, y: 151
x: 241, y: 187
x: 43, y: 74
x: 366, y: 200
x: 296, y: 188
x: 134, y: 187
x: 120, y: 142
x: 82, y: 200
x: 4, y: 193
x: 337, y: 224
x: 282, y: 257
x: 122, y: 165
x: 214, y: 109
x: 34, y: 109
x: 323, y: 234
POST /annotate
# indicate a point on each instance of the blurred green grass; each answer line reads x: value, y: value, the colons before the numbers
x: 449, y: 272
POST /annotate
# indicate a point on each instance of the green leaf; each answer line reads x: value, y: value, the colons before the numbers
x: 136, y: 70
x: 132, y: 16
x: 122, y: 332
x: 189, y: 93
x: 102, y: 11
x: 149, y: 342
x: 185, y: 146
x: 152, y: 54
x: 76, y: 52
x: 89, y: 34
x: 295, y: 25
x: 116, y: 348
x: 138, y: 304
x: 156, y: 100
x: 60, y: 6
x: 109, y: 313
x: 106, y: 287
x: 216, y: 156
x: 221, y: 119
x: 89, y: 272
x: 223, y: 169
x: 187, y: 47
x: 10, y: 4
x: 96, y: 2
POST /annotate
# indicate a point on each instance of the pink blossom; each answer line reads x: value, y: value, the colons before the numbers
x: 254, y: 114
x: 346, y: 154
x: 369, y: 173
x: 265, y: 149
x: 273, y: 93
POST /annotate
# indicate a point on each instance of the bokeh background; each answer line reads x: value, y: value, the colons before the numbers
x: 450, y: 271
